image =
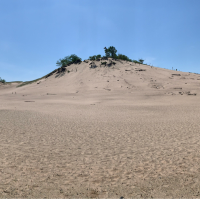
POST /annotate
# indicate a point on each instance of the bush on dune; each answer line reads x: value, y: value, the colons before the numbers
x: 109, y: 53
x: 68, y: 60
x: 2, y: 80
x: 123, y: 57
x: 94, y: 57
x: 141, y: 61
x: 135, y: 61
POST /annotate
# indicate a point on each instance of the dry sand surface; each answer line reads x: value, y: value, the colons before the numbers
x: 122, y: 130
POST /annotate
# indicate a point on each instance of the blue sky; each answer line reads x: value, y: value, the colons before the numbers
x: 36, y: 33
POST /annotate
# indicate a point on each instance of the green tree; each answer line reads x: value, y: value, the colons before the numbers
x: 112, y: 50
x: 68, y: 60
x: 107, y: 53
x: 74, y: 58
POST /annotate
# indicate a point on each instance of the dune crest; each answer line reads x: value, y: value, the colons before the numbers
x: 115, y: 76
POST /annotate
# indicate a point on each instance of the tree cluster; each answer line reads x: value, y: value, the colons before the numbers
x: 109, y: 52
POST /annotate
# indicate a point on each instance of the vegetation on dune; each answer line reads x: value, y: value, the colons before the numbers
x: 68, y: 60
x: 94, y: 57
x: 2, y: 80
x: 110, y: 52
x: 29, y: 82
x: 104, y: 63
x: 123, y: 57
x: 141, y: 61
x: 135, y: 61
x: 14, y: 82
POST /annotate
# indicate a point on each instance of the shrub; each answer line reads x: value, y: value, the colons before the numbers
x: 103, y: 63
x: 68, y: 60
x: 135, y: 61
x: 141, y: 61
x: 98, y: 56
x: 2, y: 80
x: 123, y: 57
x: 94, y: 57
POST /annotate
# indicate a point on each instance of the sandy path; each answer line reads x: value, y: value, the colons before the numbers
x: 102, y: 150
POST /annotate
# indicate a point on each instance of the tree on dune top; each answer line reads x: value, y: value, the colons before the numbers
x: 111, y: 52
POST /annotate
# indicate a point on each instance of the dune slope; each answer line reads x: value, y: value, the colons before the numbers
x: 122, y: 129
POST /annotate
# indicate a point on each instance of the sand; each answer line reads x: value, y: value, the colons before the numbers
x: 105, y: 132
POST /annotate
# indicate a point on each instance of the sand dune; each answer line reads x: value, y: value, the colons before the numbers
x: 122, y: 129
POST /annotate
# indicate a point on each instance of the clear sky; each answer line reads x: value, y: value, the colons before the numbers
x: 36, y: 33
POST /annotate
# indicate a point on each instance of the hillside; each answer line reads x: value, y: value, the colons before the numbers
x: 113, y: 77
x: 106, y: 130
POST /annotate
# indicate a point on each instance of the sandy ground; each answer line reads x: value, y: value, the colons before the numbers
x: 102, y: 133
